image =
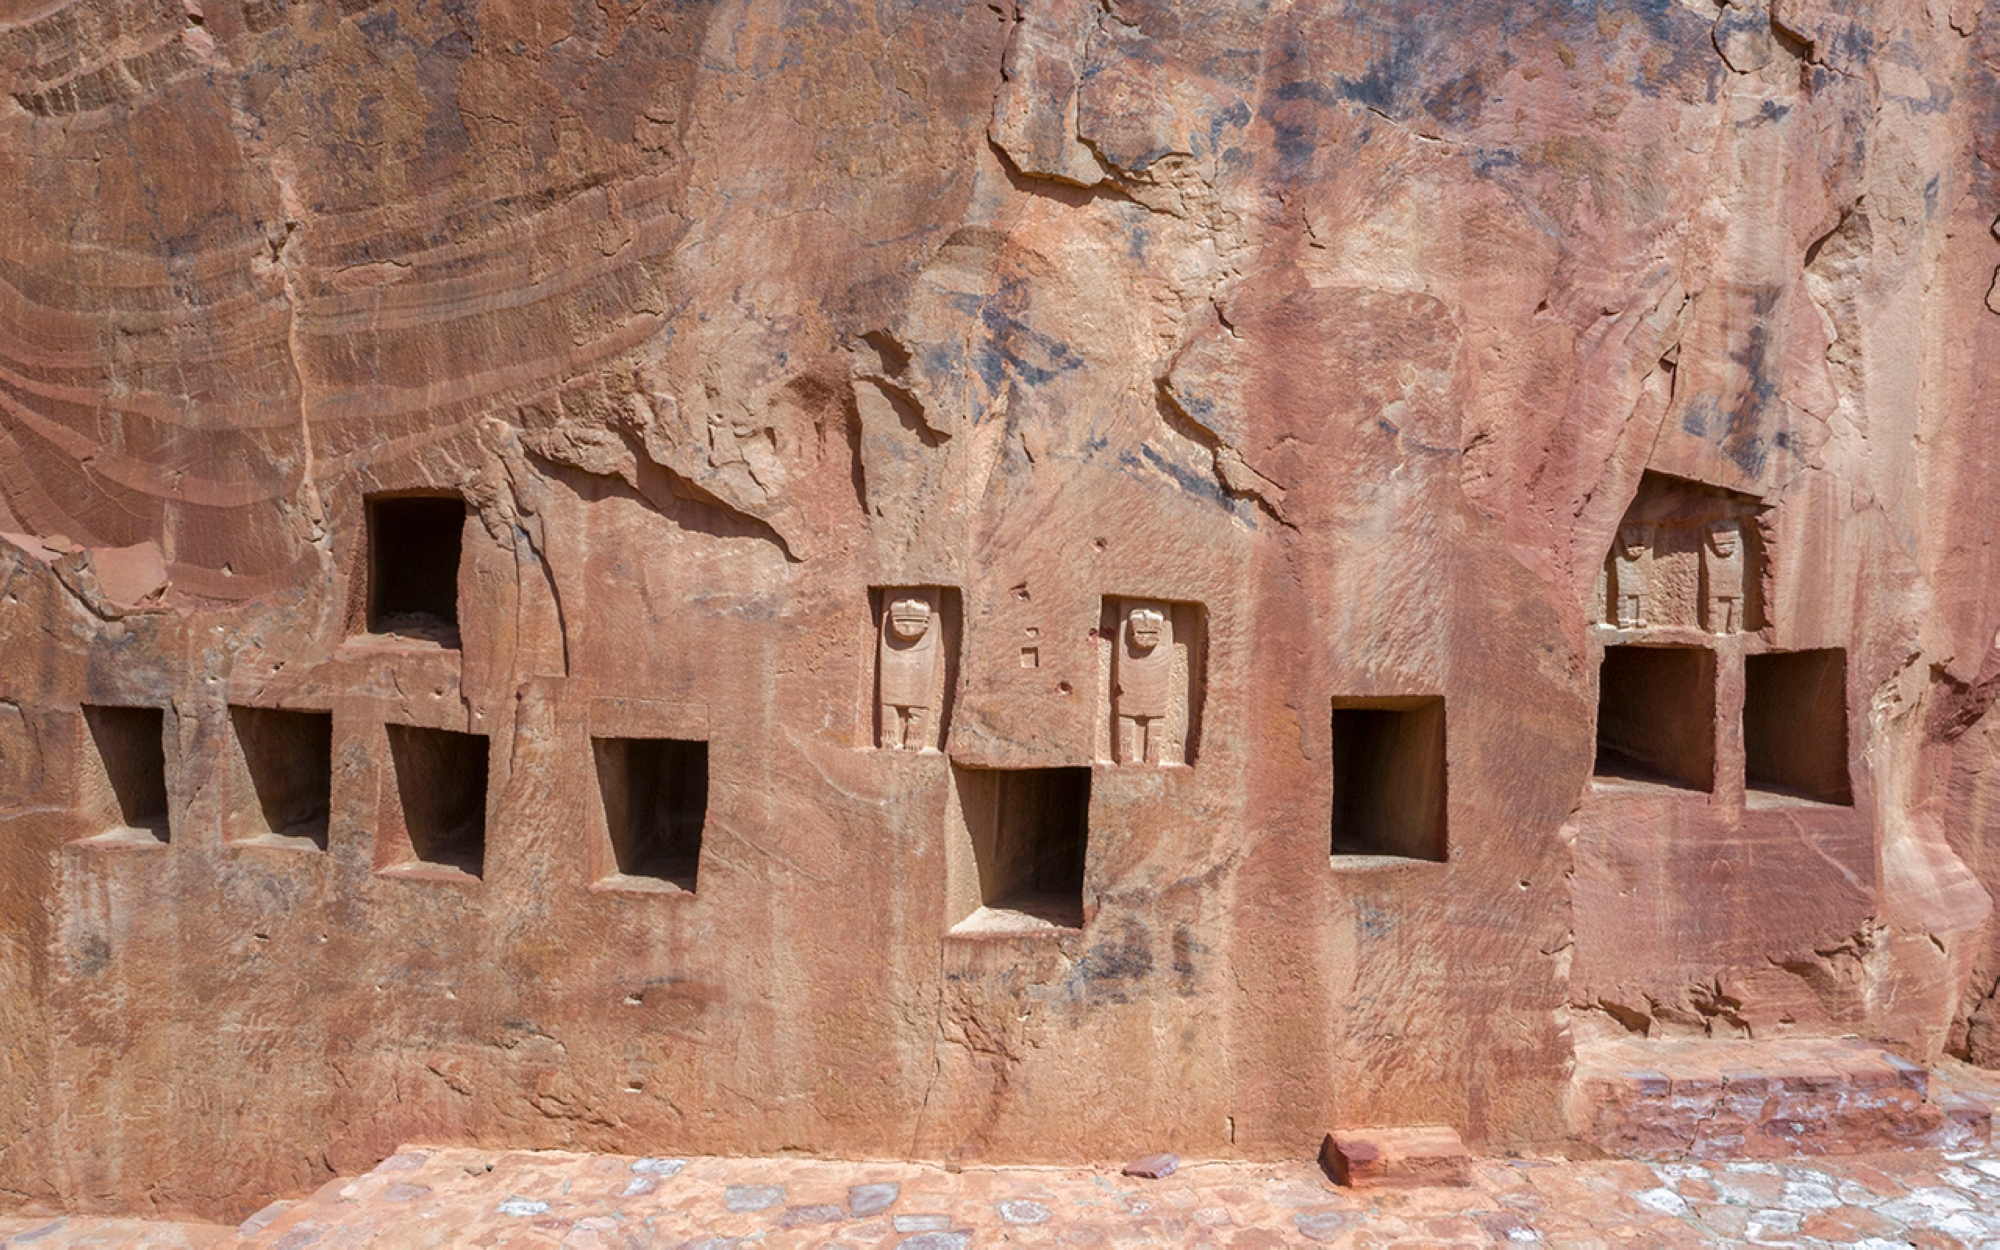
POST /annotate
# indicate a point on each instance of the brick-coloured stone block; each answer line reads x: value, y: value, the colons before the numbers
x: 1397, y: 1158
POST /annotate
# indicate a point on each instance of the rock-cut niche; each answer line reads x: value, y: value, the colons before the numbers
x: 415, y: 545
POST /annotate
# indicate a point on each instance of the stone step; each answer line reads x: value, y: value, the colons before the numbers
x: 1397, y: 1158
x: 1706, y: 1099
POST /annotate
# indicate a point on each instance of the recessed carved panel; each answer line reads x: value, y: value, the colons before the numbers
x: 1151, y: 660
x: 916, y: 663
x: 1685, y: 556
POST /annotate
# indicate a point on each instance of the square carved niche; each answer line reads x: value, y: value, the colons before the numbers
x: 280, y: 777
x: 1656, y: 716
x: 1017, y: 850
x: 655, y: 796
x: 434, y: 822
x: 414, y: 545
x: 1151, y: 660
x: 1389, y: 794
x: 122, y: 775
x: 1795, y: 726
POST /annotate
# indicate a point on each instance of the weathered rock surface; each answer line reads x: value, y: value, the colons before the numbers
x: 1763, y: 1100
x: 1331, y: 347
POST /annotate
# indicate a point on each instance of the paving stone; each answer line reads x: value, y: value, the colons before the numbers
x: 658, y: 1167
x: 815, y: 1214
x: 1663, y: 1200
x: 1321, y: 1225
x: 920, y: 1223
x: 753, y: 1197
x: 1021, y: 1211
x: 874, y: 1199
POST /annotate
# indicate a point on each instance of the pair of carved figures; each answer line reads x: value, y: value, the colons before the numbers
x: 910, y: 684
x: 1722, y: 575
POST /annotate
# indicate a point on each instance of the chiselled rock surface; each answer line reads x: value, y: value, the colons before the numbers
x: 1015, y: 582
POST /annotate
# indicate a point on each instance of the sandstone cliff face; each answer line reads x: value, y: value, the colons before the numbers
x: 1345, y: 339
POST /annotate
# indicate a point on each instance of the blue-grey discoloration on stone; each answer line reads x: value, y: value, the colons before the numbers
x: 872, y: 1199
x: 753, y: 1197
x: 1022, y: 1211
x: 658, y: 1167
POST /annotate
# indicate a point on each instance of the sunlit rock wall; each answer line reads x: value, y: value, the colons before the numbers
x: 1355, y: 355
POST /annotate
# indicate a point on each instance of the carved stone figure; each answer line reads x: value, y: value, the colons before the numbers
x: 906, y: 670
x: 1143, y: 682
x: 1722, y: 567
x: 1630, y: 552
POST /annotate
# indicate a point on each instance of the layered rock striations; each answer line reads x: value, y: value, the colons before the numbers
x: 1025, y: 581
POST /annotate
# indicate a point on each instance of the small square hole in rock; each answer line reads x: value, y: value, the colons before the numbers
x: 123, y: 787
x: 414, y: 545
x: 1795, y: 725
x: 1389, y: 778
x: 655, y: 793
x: 1028, y: 829
x: 282, y: 788
x: 441, y: 790
x: 1656, y: 716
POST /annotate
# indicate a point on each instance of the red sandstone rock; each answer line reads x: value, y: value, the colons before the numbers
x: 869, y: 578
x: 1397, y: 1158
x: 1727, y: 1100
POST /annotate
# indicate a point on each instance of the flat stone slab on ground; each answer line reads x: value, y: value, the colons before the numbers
x: 1397, y: 1158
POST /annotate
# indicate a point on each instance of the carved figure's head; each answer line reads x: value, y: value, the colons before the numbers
x: 1725, y: 537
x: 1147, y: 628
x: 909, y: 618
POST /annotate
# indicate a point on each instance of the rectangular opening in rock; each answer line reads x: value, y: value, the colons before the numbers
x: 1656, y: 716
x: 124, y: 783
x: 413, y: 554
x: 1795, y: 725
x: 1028, y: 828
x: 282, y: 782
x: 655, y: 793
x: 441, y: 792
x: 1389, y: 778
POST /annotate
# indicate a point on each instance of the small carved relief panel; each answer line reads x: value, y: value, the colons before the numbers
x: 1151, y: 663
x: 1722, y: 580
x: 1686, y: 556
x: 916, y: 639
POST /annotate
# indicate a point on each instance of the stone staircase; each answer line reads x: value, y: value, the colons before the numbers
x: 1706, y: 1099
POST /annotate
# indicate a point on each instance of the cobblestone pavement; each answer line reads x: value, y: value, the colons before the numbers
x: 460, y: 1197
x: 464, y: 1197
